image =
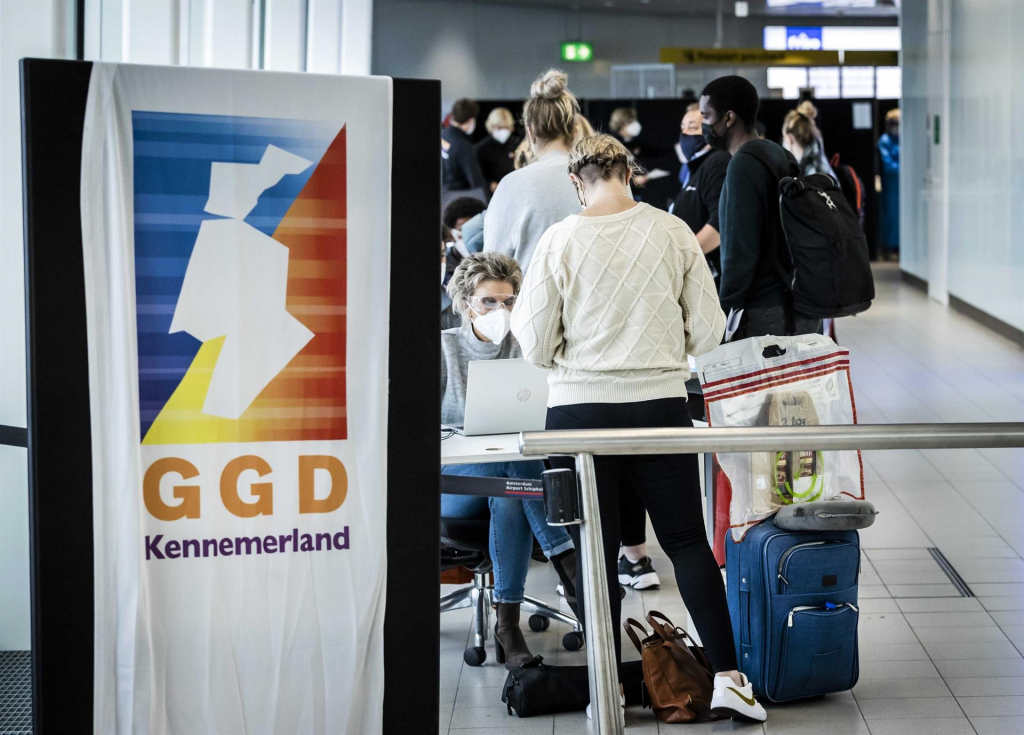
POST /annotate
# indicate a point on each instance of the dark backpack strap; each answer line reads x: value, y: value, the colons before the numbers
x: 778, y: 234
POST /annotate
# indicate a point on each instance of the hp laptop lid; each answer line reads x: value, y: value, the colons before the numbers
x: 505, y: 397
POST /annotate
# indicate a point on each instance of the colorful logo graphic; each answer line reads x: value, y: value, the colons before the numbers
x: 240, y: 273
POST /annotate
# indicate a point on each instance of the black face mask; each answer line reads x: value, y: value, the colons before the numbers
x: 691, y: 145
x: 712, y: 138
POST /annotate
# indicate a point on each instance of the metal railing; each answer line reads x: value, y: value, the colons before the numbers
x: 585, y: 444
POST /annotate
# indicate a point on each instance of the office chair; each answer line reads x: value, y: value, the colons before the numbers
x: 464, y: 544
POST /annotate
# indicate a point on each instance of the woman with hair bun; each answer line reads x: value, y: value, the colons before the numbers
x: 618, y: 295
x: 801, y: 137
x: 534, y: 197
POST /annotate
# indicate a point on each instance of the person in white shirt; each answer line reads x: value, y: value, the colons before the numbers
x: 531, y: 199
x: 614, y: 300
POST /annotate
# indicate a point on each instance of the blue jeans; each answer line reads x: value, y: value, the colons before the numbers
x: 514, y: 523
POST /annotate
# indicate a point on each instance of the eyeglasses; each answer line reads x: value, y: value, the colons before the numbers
x: 484, y: 304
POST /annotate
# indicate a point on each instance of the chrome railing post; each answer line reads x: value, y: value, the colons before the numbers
x: 604, y: 673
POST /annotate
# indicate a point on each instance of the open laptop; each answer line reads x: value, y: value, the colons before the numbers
x: 505, y: 397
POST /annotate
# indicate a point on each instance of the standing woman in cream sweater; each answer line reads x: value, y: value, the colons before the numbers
x: 614, y: 300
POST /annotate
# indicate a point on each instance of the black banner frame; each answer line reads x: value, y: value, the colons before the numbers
x: 54, y: 95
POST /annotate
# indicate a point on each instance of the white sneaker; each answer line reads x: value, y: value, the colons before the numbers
x: 736, y: 702
x: 622, y: 700
x: 639, y: 575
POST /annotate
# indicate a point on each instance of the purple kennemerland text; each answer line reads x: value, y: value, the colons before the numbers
x: 285, y: 543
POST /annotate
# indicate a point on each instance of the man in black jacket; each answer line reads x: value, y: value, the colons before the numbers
x: 749, y: 213
x: 697, y: 202
x: 460, y: 168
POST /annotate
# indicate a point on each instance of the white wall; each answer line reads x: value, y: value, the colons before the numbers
x: 984, y: 130
x: 37, y: 28
x: 986, y: 135
x: 325, y: 36
x: 915, y: 141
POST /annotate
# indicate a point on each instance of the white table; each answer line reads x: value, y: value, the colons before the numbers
x: 477, y: 449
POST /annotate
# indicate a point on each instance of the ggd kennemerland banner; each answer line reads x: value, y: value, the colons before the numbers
x: 236, y: 237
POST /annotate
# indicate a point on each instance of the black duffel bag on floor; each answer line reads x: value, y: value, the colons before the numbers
x: 546, y: 690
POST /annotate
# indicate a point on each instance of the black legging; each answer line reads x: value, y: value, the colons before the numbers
x: 632, y: 517
x: 670, y: 488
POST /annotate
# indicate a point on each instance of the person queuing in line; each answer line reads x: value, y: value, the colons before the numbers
x: 616, y: 298
x: 684, y: 170
x: 532, y: 198
x: 748, y: 214
x: 625, y: 125
x: 455, y: 216
x: 460, y: 170
x: 889, y: 187
x: 484, y: 290
x: 449, y: 318
x: 496, y: 152
x: 801, y: 137
x: 658, y: 185
x: 697, y: 202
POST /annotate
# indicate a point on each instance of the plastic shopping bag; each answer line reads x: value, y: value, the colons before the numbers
x: 781, y: 381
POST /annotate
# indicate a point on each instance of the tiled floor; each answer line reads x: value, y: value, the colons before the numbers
x: 932, y: 662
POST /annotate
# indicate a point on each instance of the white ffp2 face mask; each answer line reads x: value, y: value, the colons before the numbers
x: 502, y: 135
x: 494, y: 325
x: 633, y: 129
x: 472, y: 128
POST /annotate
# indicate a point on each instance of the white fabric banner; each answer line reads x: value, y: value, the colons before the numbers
x: 238, y: 387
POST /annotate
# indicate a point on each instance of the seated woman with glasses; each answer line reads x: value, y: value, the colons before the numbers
x: 483, y: 291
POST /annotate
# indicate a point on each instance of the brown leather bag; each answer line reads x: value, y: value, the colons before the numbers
x: 677, y: 674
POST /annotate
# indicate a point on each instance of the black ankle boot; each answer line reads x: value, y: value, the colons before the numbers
x: 508, y: 638
x: 565, y: 568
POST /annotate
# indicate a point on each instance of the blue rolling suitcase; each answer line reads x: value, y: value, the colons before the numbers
x: 793, y: 602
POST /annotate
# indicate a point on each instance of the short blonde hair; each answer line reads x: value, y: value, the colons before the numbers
x: 499, y: 118
x: 551, y: 111
x: 477, y: 268
x: 893, y: 114
x: 621, y: 117
x: 602, y: 156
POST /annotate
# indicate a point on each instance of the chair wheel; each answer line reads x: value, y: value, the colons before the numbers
x: 572, y: 641
x: 474, y: 656
x: 539, y: 623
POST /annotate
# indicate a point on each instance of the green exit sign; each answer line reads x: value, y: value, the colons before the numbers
x: 577, y: 51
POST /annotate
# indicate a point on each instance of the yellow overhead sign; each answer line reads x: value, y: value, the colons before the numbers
x: 748, y: 57
x: 761, y: 57
x: 871, y: 58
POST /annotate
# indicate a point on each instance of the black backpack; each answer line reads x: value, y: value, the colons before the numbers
x: 820, y: 249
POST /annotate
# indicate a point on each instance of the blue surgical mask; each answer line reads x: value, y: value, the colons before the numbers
x: 691, y: 145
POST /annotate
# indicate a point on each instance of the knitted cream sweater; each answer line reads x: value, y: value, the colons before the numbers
x: 614, y: 304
